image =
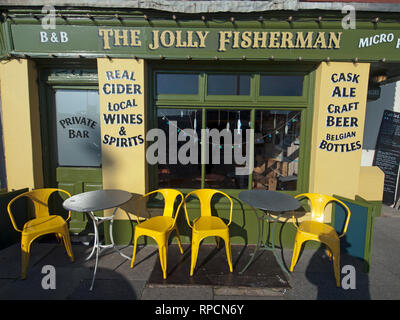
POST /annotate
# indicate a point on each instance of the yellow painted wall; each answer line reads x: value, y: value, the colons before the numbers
x: 337, y: 171
x: 371, y: 183
x: 122, y: 93
x: 21, y: 124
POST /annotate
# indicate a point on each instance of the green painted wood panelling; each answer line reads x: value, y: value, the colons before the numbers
x: 358, y: 239
x: 78, y: 180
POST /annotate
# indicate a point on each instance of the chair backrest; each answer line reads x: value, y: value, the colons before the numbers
x: 169, y: 196
x: 40, y: 200
x: 318, y: 205
x: 205, y: 196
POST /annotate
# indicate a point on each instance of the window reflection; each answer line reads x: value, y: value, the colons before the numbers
x: 177, y: 83
x: 222, y: 174
x: 186, y: 124
x: 281, y: 85
x: 218, y: 148
x: 228, y: 84
x: 276, y: 150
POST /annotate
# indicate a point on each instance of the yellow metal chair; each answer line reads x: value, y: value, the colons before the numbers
x: 316, y: 230
x: 42, y: 224
x: 207, y: 225
x: 160, y: 227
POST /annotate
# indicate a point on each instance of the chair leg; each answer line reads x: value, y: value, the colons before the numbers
x: 296, y: 252
x: 195, y: 252
x: 179, y: 239
x: 217, y: 241
x: 228, y: 253
x: 336, y: 264
x: 328, y: 253
x: 25, y: 263
x: 68, y: 247
x: 163, y: 253
x: 67, y: 243
x: 25, y: 252
x: 59, y: 237
x: 134, y: 249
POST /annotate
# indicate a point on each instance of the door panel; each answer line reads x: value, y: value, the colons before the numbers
x: 78, y: 180
x: 76, y: 125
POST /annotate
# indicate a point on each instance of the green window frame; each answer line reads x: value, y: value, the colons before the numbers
x: 253, y: 102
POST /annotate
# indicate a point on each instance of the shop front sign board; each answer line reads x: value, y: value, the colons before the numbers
x: 206, y: 43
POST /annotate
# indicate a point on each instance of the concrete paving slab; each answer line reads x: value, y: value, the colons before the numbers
x: 146, y: 258
x: 248, y: 292
x: 388, y: 211
x: 10, y: 258
x: 312, y: 278
x: 159, y: 292
x: 386, y: 244
x: 381, y: 282
x: 212, y: 268
x: 108, y: 289
x: 66, y: 279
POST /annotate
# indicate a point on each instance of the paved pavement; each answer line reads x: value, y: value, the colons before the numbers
x: 382, y: 282
x: 312, y: 278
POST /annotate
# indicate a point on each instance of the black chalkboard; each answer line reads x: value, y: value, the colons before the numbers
x: 387, y: 154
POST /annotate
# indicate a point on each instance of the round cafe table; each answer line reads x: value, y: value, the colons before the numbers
x: 273, y: 204
x: 92, y: 201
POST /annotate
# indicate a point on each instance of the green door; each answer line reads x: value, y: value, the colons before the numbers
x: 77, y: 151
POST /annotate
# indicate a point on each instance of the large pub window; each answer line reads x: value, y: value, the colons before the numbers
x: 272, y: 105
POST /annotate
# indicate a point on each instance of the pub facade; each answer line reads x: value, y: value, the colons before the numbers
x: 188, y: 96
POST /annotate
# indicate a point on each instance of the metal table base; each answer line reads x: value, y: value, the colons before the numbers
x: 96, y: 245
x: 264, y: 245
x: 272, y: 204
x: 92, y: 201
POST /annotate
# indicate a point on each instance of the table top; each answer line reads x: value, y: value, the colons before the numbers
x: 97, y: 200
x: 269, y: 200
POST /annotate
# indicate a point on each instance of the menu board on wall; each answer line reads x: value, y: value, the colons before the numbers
x: 387, y: 155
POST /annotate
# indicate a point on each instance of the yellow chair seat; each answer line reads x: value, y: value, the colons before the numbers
x: 209, y: 223
x: 159, y: 224
x: 318, y: 229
x: 43, y: 225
